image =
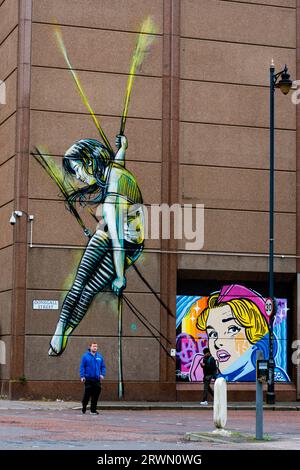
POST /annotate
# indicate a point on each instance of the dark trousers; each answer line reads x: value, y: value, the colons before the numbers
x: 92, y: 389
x: 207, y: 388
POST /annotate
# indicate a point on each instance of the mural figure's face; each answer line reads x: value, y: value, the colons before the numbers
x: 226, y: 337
x: 81, y: 173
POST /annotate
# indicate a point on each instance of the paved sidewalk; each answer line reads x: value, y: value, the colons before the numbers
x: 59, y: 425
x: 137, y: 405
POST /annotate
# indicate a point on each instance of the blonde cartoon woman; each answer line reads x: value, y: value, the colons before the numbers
x: 236, y: 326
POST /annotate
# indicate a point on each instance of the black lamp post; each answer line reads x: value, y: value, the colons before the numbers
x: 285, y: 84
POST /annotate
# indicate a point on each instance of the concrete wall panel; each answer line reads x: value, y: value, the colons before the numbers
x: 248, y: 189
x: 217, y: 263
x: 7, y: 181
x: 279, y: 3
x: 247, y: 232
x: 5, y: 368
x: 39, y: 366
x: 8, y: 54
x: 58, y: 131
x: 8, y: 18
x: 54, y: 90
x: 141, y: 359
x: 141, y: 366
x: 6, y: 268
x: 54, y: 269
x: 53, y: 224
x: 90, y: 49
x: 232, y: 63
x: 230, y: 146
x: 11, y: 97
x: 101, y: 318
x: 236, y: 22
x: 232, y: 104
x: 129, y: 15
x: 7, y: 139
x: 5, y: 312
x: 6, y: 234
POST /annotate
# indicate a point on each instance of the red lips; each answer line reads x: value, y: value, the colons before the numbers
x: 223, y: 355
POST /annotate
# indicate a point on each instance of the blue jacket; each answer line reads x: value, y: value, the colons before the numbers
x: 92, y: 366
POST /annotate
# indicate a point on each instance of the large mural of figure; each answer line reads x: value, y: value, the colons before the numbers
x: 119, y: 235
x: 92, y: 173
x: 233, y: 324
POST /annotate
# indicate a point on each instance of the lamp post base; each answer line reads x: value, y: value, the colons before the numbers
x: 270, y: 398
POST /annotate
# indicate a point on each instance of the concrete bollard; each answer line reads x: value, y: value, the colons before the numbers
x: 220, y: 406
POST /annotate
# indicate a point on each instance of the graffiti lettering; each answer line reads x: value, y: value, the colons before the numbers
x: 186, y: 348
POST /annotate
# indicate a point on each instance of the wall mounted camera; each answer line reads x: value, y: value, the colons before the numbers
x: 14, y: 215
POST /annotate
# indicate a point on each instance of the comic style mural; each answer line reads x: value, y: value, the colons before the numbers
x: 233, y: 324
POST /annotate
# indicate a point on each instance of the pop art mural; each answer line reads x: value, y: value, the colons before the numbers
x: 233, y: 324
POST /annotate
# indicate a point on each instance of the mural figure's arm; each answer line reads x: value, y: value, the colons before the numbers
x: 121, y: 144
x: 114, y: 212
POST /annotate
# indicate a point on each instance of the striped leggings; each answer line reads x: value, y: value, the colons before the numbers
x: 95, y: 272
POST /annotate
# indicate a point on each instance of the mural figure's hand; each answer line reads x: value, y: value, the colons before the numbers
x: 118, y: 285
x: 121, y: 141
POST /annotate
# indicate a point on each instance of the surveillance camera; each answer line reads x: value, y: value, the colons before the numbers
x: 12, y: 219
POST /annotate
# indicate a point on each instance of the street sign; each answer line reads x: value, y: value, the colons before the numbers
x: 269, y: 305
x: 45, y: 304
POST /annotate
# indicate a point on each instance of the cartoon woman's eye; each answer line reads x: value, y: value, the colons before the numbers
x: 213, y: 334
x: 234, y: 329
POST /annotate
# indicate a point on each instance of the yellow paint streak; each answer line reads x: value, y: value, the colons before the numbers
x: 61, y: 45
x: 144, y: 41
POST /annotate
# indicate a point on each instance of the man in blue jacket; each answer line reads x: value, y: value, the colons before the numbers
x: 92, y: 371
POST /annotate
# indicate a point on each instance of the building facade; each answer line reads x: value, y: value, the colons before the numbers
x: 198, y: 133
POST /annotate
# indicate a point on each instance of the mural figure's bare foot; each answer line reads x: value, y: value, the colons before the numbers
x: 59, y: 340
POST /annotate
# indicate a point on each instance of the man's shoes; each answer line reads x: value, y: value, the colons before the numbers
x: 203, y: 403
x: 83, y: 410
x: 94, y: 412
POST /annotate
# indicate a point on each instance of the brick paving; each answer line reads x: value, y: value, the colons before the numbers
x: 61, y: 425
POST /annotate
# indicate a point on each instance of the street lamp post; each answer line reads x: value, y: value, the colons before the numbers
x: 285, y: 84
